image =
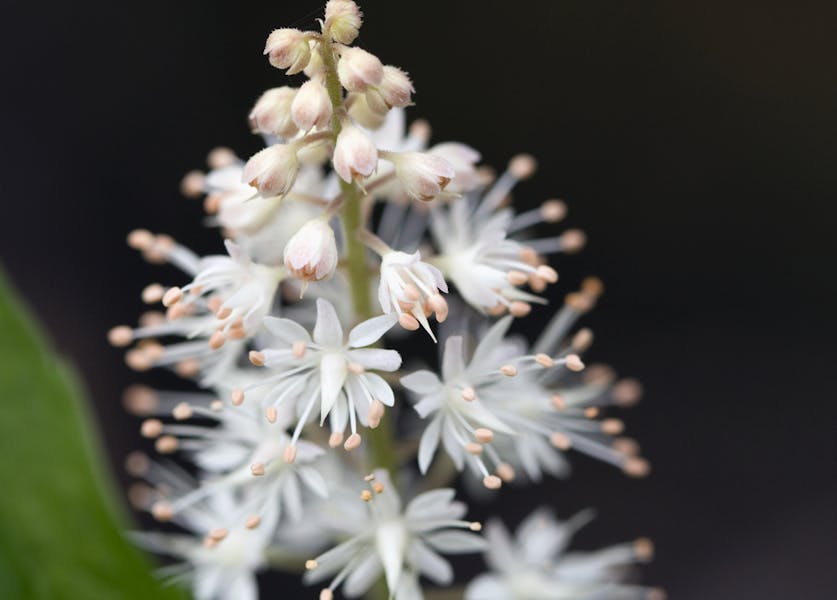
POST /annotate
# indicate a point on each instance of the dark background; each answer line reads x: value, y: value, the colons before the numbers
x: 695, y: 143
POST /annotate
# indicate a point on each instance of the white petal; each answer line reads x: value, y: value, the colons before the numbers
x: 312, y: 478
x: 429, y: 443
x: 363, y: 576
x: 426, y: 505
x: 491, y: 340
x: 453, y: 360
x: 286, y: 330
x: 431, y: 565
x: 379, y: 388
x: 332, y: 376
x: 409, y: 588
x: 327, y: 331
x: 501, y: 555
x: 243, y: 587
x: 452, y: 446
x: 421, y: 382
x: 427, y: 405
x: 376, y: 358
x: 488, y: 587
x: 371, y: 330
x: 455, y: 542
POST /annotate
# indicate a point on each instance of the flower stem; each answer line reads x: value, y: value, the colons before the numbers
x: 380, y: 441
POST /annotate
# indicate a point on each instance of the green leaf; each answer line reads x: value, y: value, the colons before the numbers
x: 61, y: 530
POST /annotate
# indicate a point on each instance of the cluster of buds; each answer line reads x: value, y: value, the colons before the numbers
x: 285, y: 381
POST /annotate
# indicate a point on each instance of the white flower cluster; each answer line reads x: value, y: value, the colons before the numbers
x: 290, y: 356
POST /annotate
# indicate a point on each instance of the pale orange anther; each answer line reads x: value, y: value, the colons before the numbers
x: 529, y: 256
x: 162, y: 511
x: 378, y: 487
x: 220, y: 157
x: 408, y: 322
x: 483, y: 435
x: 644, y: 549
x: 137, y: 464
x: 517, y: 277
x: 192, y: 184
x: 508, y: 370
x: 558, y: 402
x: 140, y: 400
x: 140, y: 239
x: 166, y: 444
x: 138, y: 360
x: 519, y: 308
x: 270, y: 414
x: 335, y: 439
x: 188, y: 367
x: 223, y: 313
x: 582, y: 340
x: 237, y: 397
x: 560, y: 440
x: 289, y: 454
x: 257, y: 469
x: 574, y: 363
x: 172, y: 296
x: 151, y: 428
x: 252, y: 521
x: 523, y: 166
x: 256, y: 358
x: 547, y: 273
x: 366, y: 495
x: 537, y: 284
x: 553, y: 211
x: 635, y: 466
x: 439, y: 306
x: 505, y: 472
x: 298, y: 348
x: 216, y: 340
x: 120, y: 336
x: 153, y: 293
x: 218, y: 534
x: 627, y: 392
x: 573, y: 240
x: 352, y: 443
x: 612, y: 426
x: 469, y: 394
x: 412, y: 293
x: 473, y: 448
x: 355, y: 368
x: 182, y: 411
x: 492, y: 482
x: 544, y: 360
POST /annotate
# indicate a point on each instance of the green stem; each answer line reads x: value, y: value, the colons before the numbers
x: 380, y: 441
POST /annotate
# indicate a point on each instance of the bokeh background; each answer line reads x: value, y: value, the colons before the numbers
x: 694, y: 142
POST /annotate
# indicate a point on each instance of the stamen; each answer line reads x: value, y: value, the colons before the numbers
x: 558, y: 402
x: 635, y: 466
x: 257, y: 469
x: 439, y: 306
x: 270, y: 414
x: 172, y: 296
x: 166, y: 444
x: 182, y: 411
x: 151, y: 428
x: 256, y: 358
x: 192, y: 184
x: 627, y: 392
x: 216, y: 405
x: 298, y: 348
x: 612, y: 426
x: 520, y: 309
x: 153, y: 293
x: 492, y: 482
x: 252, y: 521
x: 140, y: 239
x: 626, y: 446
x: 188, y: 368
x: 335, y: 439
x: 237, y: 397
x: 644, y: 549
x: 523, y: 166
x: 582, y: 340
x: 573, y: 240
x: 505, y: 471
x: 475, y: 526
x: 560, y: 441
x: 218, y: 534
x: 517, y: 277
x: 162, y: 511
x: 366, y: 495
x: 137, y: 464
x: 468, y: 394
x: 544, y: 360
x: 408, y: 322
x: 484, y: 435
x: 289, y: 455
x: 216, y: 340
x: 508, y: 370
x: 591, y: 412
x: 378, y: 487
x: 353, y: 442
x: 221, y: 157
x: 376, y: 413
x: 140, y: 400
x: 138, y: 360
x: 574, y: 363
x: 120, y: 336
x: 547, y: 273
x: 326, y: 594
x: 223, y: 313
x: 473, y: 448
x: 553, y: 211
x: 355, y: 368
x: 311, y: 564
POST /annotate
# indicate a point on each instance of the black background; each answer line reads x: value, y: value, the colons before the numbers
x: 695, y: 143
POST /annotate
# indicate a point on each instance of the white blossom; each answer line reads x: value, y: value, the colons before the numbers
x: 400, y: 543
x: 311, y: 254
x: 536, y: 566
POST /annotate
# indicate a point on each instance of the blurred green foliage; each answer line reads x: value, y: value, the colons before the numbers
x: 61, y: 529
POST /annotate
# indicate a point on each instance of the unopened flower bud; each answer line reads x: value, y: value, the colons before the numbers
x: 343, y: 19
x: 273, y: 170
x: 424, y: 176
x: 358, y: 69
x: 361, y: 112
x: 463, y: 160
x: 311, y: 254
x: 395, y: 90
x: 288, y: 49
x: 311, y: 106
x: 272, y: 113
x: 355, y: 155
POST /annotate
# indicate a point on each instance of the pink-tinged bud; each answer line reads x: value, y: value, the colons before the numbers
x: 272, y: 113
x: 394, y: 90
x: 362, y: 113
x: 463, y: 160
x: 288, y: 49
x: 355, y: 155
x: 358, y: 69
x: 311, y: 254
x: 343, y: 19
x: 272, y: 171
x: 311, y: 107
x: 424, y: 176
